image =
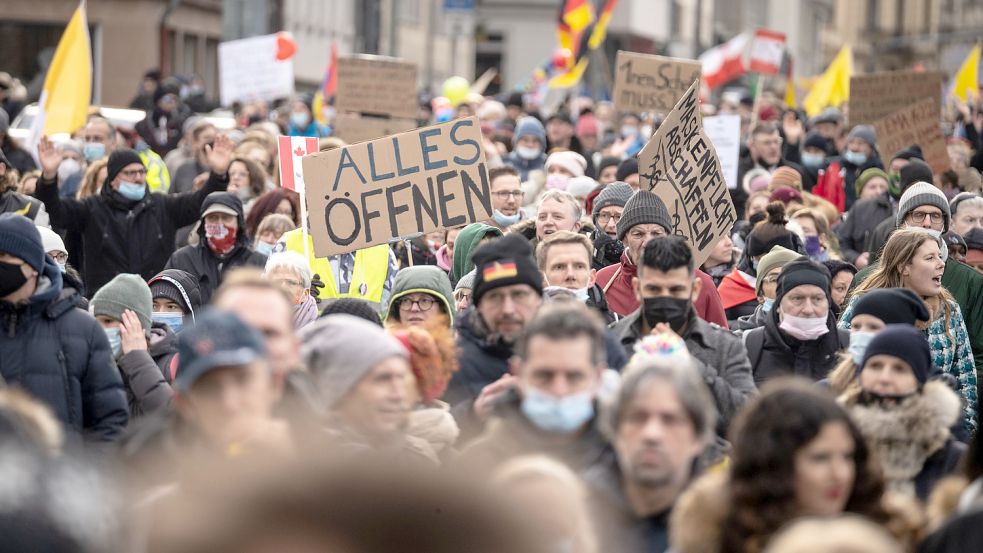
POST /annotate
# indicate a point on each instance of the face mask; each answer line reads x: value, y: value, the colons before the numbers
x: 264, y: 248
x: 11, y: 278
x: 583, y: 294
x: 813, y: 247
x: 61, y: 267
x: 856, y: 158
x: 93, y: 151
x: 754, y: 264
x: 221, y: 238
x: 812, y: 161
x: 526, y: 152
x: 767, y: 305
x: 628, y: 131
x: 68, y: 168
x: 174, y: 320
x: 805, y: 329
x: 505, y: 220
x: 244, y: 194
x: 557, y: 182
x: 115, y: 342
x: 300, y: 119
x: 132, y: 191
x: 858, y: 345
x: 555, y: 414
x: 894, y: 185
x: 664, y: 309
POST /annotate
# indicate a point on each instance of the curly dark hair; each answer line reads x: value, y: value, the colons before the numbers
x: 766, y: 436
x: 267, y: 203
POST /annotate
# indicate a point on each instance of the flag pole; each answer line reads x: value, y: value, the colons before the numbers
x: 759, y: 84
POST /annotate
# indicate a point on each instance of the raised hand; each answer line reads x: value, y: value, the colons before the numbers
x: 792, y: 127
x: 49, y: 157
x: 219, y: 154
x: 131, y: 333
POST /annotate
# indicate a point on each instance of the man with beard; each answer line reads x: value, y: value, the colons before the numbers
x: 660, y: 422
x: 764, y: 149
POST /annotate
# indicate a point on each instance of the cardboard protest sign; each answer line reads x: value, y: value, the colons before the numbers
x: 248, y: 70
x: 643, y: 82
x: 918, y: 123
x: 680, y: 165
x: 415, y: 182
x: 724, y: 132
x: 876, y: 95
x: 376, y: 85
x: 352, y: 127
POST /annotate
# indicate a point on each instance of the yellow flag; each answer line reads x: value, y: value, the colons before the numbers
x: 967, y: 78
x: 67, y: 89
x: 833, y: 86
x: 790, y: 94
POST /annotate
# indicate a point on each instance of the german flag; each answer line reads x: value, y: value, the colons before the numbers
x: 499, y: 270
x: 574, y: 16
x: 580, y: 42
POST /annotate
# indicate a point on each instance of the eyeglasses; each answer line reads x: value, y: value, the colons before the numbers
x: 132, y: 173
x: 496, y: 298
x: 770, y: 279
x: 506, y: 194
x: 919, y: 216
x: 424, y: 303
x: 605, y: 218
x: 59, y: 257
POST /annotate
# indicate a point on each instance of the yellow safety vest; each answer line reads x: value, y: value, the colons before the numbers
x: 158, y: 178
x: 368, y: 275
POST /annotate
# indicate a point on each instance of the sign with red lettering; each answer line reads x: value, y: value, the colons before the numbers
x: 643, y: 82
x: 401, y: 185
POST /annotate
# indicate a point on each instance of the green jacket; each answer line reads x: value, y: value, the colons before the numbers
x: 465, y: 244
x: 428, y: 279
x: 966, y: 287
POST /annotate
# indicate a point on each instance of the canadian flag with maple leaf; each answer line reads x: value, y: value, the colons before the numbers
x: 290, y: 149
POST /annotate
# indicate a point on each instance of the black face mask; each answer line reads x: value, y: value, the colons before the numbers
x: 11, y: 278
x: 664, y: 309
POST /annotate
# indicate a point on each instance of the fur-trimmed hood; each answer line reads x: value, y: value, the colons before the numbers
x: 906, y: 436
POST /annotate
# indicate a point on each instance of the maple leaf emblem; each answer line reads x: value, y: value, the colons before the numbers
x: 299, y: 152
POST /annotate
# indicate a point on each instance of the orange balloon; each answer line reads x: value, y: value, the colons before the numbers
x: 286, y: 47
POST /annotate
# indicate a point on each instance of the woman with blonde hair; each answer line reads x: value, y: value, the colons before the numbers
x: 552, y: 497
x: 843, y: 534
x: 913, y: 259
x: 92, y: 180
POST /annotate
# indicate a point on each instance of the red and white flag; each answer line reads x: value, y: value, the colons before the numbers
x: 767, y: 49
x: 290, y: 149
x: 724, y: 63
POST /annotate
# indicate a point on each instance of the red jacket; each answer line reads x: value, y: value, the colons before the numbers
x: 735, y: 290
x: 615, y: 280
x: 829, y: 185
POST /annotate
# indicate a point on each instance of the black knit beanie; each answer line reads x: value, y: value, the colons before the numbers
x: 179, y: 286
x: 906, y: 343
x: 916, y: 171
x: 352, y: 306
x: 801, y: 272
x: 644, y: 208
x: 892, y: 306
x: 627, y: 168
x: 504, y: 262
x: 118, y: 160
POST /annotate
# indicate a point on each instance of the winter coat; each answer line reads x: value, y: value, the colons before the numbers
x: 18, y: 157
x: 400, y: 450
x: 860, y: 223
x: 123, y: 236
x: 961, y: 534
x: 773, y: 353
x: 525, y: 166
x: 162, y: 131
x: 60, y: 355
x: 482, y: 360
x: 719, y: 355
x: 738, y: 296
x: 434, y: 424
x: 147, y: 373
x: 597, y: 301
x: 12, y: 201
x: 745, y: 164
x: 205, y: 265
x: 912, y: 439
x: 951, y: 352
x: 615, y: 281
x: 750, y: 322
x: 878, y: 237
x: 851, y: 172
x: 509, y: 434
x: 697, y: 521
x: 965, y: 284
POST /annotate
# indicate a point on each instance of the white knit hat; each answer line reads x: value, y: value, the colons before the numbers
x: 51, y: 241
x: 571, y: 161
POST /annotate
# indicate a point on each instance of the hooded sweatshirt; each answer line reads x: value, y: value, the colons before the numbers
x: 466, y: 242
x: 427, y: 279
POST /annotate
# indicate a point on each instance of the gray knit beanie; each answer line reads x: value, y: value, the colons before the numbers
x: 923, y: 193
x: 126, y: 291
x: 644, y: 208
x: 865, y: 133
x: 466, y: 282
x: 616, y: 193
x: 341, y: 350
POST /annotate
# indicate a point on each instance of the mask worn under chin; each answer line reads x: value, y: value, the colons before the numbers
x: 505, y: 220
x: 527, y: 153
x: 557, y: 414
x: 663, y: 309
x: 173, y: 320
x: 11, y: 278
x: 221, y: 238
x: 858, y: 345
x: 132, y: 191
x: 804, y: 328
x: 557, y: 182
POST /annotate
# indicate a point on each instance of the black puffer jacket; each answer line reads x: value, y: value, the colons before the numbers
x: 481, y: 360
x: 860, y: 223
x: 60, y: 355
x: 773, y: 353
x: 147, y: 373
x: 208, y: 268
x: 124, y: 236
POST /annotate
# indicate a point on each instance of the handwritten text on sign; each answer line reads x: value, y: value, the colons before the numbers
x: 876, y: 95
x: 414, y: 182
x: 918, y: 123
x: 681, y: 166
x: 376, y: 85
x: 643, y: 82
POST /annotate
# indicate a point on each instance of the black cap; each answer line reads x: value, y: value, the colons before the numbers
x: 974, y: 239
x: 504, y: 262
x: 799, y: 273
x: 906, y: 343
x: 118, y: 160
x: 815, y: 140
x: 626, y: 168
x: 911, y: 152
x: 892, y: 306
x: 218, y: 339
x: 355, y: 307
x: 916, y: 171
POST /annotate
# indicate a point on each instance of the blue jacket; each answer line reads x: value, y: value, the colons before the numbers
x: 60, y: 355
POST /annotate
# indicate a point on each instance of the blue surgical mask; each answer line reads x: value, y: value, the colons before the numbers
x: 93, y: 151
x: 264, y: 248
x: 174, y: 320
x: 583, y: 294
x: 132, y: 191
x: 628, y: 131
x: 115, y: 342
x: 505, y: 220
x: 61, y: 267
x: 858, y: 345
x: 528, y: 153
x: 856, y: 158
x: 812, y: 161
x: 557, y: 414
x: 768, y: 304
x: 300, y: 119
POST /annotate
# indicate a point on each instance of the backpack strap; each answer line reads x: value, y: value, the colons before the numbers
x: 754, y: 340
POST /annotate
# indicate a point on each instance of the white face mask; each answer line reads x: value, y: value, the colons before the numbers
x: 858, y: 345
x: 803, y: 328
x: 527, y: 153
x: 67, y: 168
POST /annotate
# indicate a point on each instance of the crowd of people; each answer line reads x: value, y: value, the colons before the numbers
x: 182, y: 373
